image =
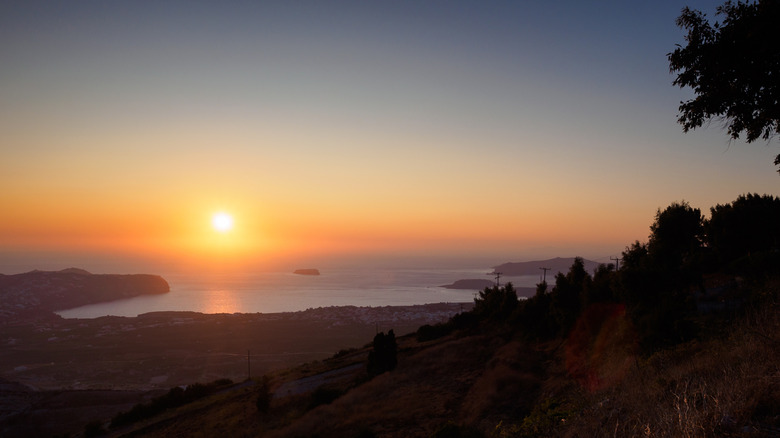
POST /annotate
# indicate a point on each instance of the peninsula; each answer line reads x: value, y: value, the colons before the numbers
x: 37, y: 294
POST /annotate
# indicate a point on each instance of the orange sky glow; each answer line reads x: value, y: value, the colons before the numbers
x: 503, y: 132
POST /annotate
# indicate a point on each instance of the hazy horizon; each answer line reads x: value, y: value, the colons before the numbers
x: 346, y: 132
x: 106, y: 264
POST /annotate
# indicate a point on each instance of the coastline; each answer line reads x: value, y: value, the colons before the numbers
x: 164, y: 349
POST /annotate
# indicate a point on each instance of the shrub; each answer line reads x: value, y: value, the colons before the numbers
x: 384, y: 355
x: 324, y: 396
x: 429, y: 332
x: 94, y: 429
x: 264, y: 396
x: 176, y: 396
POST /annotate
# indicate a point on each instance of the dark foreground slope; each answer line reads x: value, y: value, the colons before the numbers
x: 475, y: 380
x: 55, y: 375
x: 490, y: 381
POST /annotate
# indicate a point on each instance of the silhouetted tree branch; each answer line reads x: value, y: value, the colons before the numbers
x: 733, y: 67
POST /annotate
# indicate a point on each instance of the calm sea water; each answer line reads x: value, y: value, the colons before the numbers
x: 288, y: 292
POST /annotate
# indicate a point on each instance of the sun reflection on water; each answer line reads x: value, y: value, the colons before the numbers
x: 221, y: 301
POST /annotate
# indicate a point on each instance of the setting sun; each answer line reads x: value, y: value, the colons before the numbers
x: 222, y: 222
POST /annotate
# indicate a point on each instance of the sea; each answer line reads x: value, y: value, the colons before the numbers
x: 275, y: 292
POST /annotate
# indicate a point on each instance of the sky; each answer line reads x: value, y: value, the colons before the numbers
x: 346, y: 131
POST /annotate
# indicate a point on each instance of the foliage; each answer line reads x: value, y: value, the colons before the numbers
x: 429, y: 332
x: 721, y: 386
x: 176, y: 396
x: 384, y: 355
x: 602, y: 288
x: 567, y: 295
x: 495, y: 303
x: 452, y: 430
x: 676, y: 236
x: 749, y: 225
x: 324, y: 396
x: 732, y: 67
x: 658, y: 280
x: 657, y: 277
x: 533, y: 315
x: 94, y: 429
x: 545, y: 419
x: 264, y: 395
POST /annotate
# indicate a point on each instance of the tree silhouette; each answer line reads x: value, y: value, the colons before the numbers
x: 656, y: 278
x: 496, y: 302
x: 601, y: 288
x: 568, y: 293
x: 733, y: 68
x: 745, y: 227
x: 676, y: 235
x: 384, y: 355
x: 264, y: 395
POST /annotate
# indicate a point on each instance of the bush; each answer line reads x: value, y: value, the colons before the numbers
x: 384, y: 356
x: 94, y: 429
x: 176, y: 396
x: 452, y: 430
x: 324, y: 396
x: 264, y: 396
x: 430, y: 332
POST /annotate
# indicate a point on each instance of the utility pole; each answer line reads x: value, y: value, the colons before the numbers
x: 498, y: 278
x: 544, y: 275
x: 617, y: 263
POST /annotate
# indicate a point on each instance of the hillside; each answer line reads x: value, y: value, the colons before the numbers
x: 433, y: 385
x: 57, y: 375
x: 555, y: 265
x: 507, y: 386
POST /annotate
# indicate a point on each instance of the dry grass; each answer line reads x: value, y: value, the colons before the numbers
x: 425, y: 391
x: 592, y: 385
x: 507, y: 388
x: 722, y: 387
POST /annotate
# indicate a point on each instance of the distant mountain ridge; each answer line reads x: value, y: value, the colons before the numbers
x: 39, y: 293
x: 555, y: 265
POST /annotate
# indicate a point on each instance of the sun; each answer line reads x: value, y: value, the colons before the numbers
x: 222, y: 222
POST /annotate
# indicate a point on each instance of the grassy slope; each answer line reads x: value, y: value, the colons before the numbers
x: 724, y: 386
x: 497, y: 385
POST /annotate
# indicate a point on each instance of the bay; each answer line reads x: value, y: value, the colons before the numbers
x: 287, y: 292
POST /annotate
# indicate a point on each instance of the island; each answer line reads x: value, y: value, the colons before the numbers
x: 307, y: 272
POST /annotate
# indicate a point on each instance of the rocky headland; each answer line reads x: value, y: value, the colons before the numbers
x: 37, y: 294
